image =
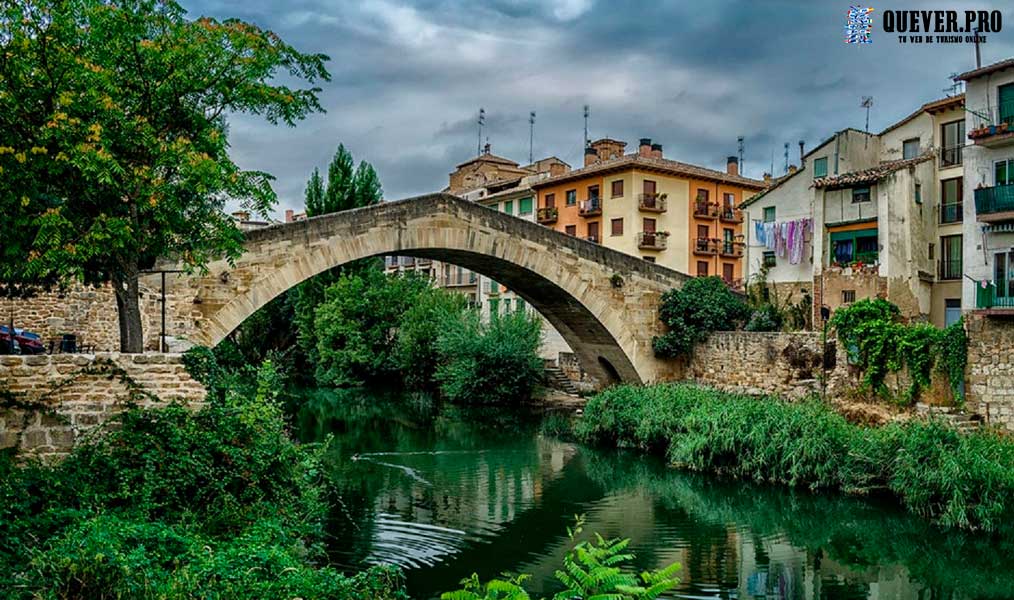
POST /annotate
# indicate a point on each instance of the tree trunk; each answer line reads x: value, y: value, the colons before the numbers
x: 128, y: 308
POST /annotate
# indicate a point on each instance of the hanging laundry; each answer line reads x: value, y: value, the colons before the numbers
x: 790, y: 241
x: 758, y: 229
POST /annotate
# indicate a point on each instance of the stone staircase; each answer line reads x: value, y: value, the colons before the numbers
x: 557, y: 380
x: 956, y: 418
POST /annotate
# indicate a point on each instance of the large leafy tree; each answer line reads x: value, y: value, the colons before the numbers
x: 113, y: 137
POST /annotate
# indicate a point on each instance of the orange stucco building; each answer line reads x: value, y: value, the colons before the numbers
x: 680, y: 215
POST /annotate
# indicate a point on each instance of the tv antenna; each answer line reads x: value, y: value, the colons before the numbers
x: 867, y: 103
x: 955, y: 88
x: 531, y: 135
x: 585, y: 125
x: 786, y: 157
x: 482, y: 121
x: 739, y: 142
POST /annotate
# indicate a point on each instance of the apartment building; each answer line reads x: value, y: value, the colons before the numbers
x: 988, y: 196
x: 870, y: 215
x: 680, y: 215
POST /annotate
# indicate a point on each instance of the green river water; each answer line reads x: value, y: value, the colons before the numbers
x: 443, y: 494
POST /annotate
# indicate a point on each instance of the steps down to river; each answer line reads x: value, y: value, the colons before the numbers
x: 557, y: 380
x: 954, y: 417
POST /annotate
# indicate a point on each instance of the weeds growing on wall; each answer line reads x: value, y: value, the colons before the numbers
x: 878, y: 343
x: 959, y: 480
x: 691, y: 313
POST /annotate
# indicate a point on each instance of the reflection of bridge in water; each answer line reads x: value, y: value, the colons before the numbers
x: 603, y: 302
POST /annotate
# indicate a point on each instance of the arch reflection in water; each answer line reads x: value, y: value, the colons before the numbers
x: 499, y: 497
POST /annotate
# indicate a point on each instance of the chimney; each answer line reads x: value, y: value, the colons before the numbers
x: 486, y: 148
x: 732, y: 165
x: 767, y: 178
x: 590, y: 156
x: 288, y: 215
x: 656, y: 150
x: 801, y: 153
x: 793, y: 169
x: 644, y: 148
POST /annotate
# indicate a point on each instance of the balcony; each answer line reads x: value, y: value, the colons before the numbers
x: 547, y: 215
x: 652, y: 240
x: 993, y: 298
x: 591, y: 207
x: 652, y: 202
x: 992, y: 126
x: 731, y: 249
x: 705, y: 210
x: 951, y: 213
x: 731, y: 215
x: 705, y: 246
x: 994, y: 204
x: 462, y: 278
x: 949, y: 269
x: 950, y: 157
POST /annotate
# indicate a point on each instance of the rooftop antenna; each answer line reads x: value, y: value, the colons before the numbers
x: 955, y: 88
x: 978, y: 54
x: 867, y: 103
x: 585, y: 125
x: 739, y: 141
x: 531, y: 135
x: 786, y: 157
x: 482, y: 121
x: 772, y: 170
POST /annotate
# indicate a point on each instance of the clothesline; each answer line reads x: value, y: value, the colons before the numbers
x: 786, y: 238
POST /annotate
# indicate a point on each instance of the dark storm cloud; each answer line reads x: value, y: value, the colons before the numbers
x: 409, y: 78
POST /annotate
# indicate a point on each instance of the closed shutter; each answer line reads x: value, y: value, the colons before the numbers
x: 1006, y: 94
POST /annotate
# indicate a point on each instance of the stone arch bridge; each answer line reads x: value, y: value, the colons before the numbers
x: 603, y: 302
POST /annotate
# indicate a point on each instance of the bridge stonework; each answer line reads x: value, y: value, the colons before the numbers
x: 603, y: 302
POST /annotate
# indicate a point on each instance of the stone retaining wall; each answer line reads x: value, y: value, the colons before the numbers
x: 786, y: 364
x: 989, y: 376
x: 48, y: 403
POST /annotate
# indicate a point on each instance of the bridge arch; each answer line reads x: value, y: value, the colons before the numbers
x: 604, y: 303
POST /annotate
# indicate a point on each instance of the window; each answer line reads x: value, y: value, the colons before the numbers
x: 649, y: 187
x: 508, y: 207
x: 520, y: 303
x: 593, y: 231
x: 617, y: 227
x: 730, y: 201
x: 820, y: 167
x: 702, y: 268
x: 860, y: 194
x: 571, y: 197
x: 727, y: 272
x: 950, y: 200
x: 702, y: 231
x: 617, y: 188
x: 952, y: 138
x: 702, y: 195
x: 550, y: 200
x: 910, y: 148
x: 918, y: 193
x: 650, y: 259
x: 571, y: 229
x: 950, y: 257
x: 1003, y: 274
x: 506, y: 305
x: 769, y: 258
x: 593, y: 192
x: 494, y: 306
x: 649, y: 226
x: 848, y: 296
x: 848, y: 247
x: 952, y: 311
x: 769, y: 214
x: 525, y: 206
x: 1005, y: 103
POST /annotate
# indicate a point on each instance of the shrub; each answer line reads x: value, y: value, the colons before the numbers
x: 964, y: 481
x: 765, y: 318
x: 489, y: 363
x: 702, y: 305
x: 418, y: 330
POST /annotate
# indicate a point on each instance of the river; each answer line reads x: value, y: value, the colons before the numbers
x: 443, y: 494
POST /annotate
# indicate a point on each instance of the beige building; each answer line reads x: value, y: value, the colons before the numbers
x: 885, y: 218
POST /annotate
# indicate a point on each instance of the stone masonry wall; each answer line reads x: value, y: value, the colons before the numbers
x: 48, y: 403
x: 989, y: 376
x: 786, y: 364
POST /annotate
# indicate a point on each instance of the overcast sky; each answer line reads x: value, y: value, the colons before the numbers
x: 409, y: 78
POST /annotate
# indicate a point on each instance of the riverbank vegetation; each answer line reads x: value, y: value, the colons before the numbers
x: 958, y: 480
x: 175, y: 503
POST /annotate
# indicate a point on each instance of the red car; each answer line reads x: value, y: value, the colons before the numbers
x: 25, y: 342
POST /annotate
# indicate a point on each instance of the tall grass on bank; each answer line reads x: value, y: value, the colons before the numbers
x: 959, y: 480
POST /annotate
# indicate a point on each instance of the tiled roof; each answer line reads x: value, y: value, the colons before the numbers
x: 508, y: 192
x: 777, y: 183
x: 487, y: 157
x: 664, y: 165
x: 930, y: 107
x: 870, y: 175
x: 997, y: 66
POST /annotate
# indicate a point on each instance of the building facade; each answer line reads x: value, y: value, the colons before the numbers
x: 685, y: 217
x: 988, y: 196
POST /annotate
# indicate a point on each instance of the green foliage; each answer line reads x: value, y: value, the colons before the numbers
x: 703, y: 305
x: 878, y: 343
x: 176, y: 503
x: 356, y: 326
x: 591, y: 569
x: 765, y: 318
x: 964, y: 481
x: 489, y: 363
x: 418, y: 330
x: 121, y: 158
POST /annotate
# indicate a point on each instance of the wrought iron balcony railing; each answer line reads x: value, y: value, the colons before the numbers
x: 652, y: 240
